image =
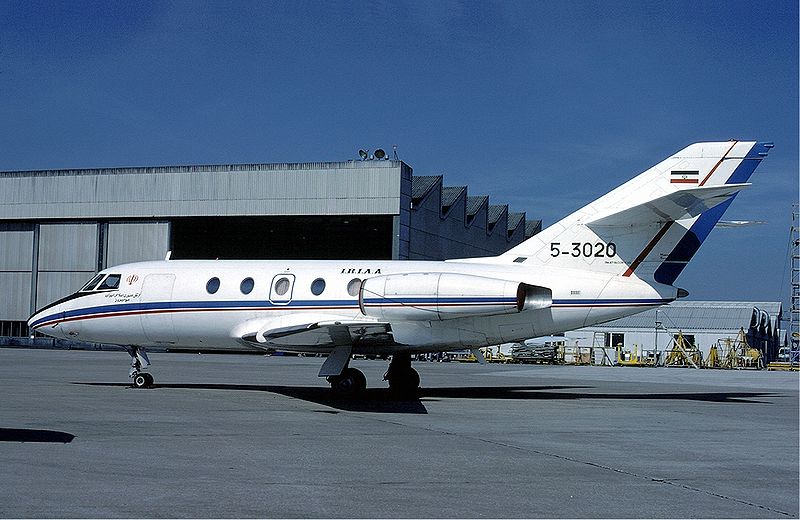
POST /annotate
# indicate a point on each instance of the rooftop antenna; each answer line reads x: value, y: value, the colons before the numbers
x: 364, y: 154
x: 380, y: 154
x: 394, y: 150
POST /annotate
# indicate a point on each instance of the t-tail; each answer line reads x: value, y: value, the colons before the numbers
x: 651, y: 226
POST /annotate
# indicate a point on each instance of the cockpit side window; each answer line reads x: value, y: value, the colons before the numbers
x: 111, y: 282
x: 91, y: 283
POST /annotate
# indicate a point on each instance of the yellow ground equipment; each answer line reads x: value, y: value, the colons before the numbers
x: 491, y: 354
x: 739, y: 354
x: 683, y: 354
x: 714, y: 360
x: 636, y: 358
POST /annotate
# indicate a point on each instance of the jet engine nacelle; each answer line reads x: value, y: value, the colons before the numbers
x: 441, y: 296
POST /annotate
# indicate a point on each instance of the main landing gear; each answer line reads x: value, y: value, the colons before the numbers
x: 347, y: 381
x: 139, y: 360
x: 336, y: 370
x: 403, y: 380
x: 351, y: 381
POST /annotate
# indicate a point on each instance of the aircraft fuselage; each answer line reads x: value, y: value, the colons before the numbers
x: 170, y: 303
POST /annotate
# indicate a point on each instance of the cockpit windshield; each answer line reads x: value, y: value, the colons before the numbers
x: 91, y: 283
x: 110, y: 282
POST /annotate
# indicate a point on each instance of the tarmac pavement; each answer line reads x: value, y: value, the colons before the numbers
x: 257, y: 436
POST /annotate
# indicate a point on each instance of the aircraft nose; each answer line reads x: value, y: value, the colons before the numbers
x: 45, y: 321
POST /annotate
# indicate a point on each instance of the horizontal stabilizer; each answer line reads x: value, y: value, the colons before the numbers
x: 678, y: 205
x: 739, y: 223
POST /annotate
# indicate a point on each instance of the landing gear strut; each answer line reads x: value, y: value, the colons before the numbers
x: 139, y: 360
x: 402, y: 379
x: 344, y: 380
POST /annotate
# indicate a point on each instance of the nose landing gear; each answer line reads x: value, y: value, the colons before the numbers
x: 142, y: 380
x: 139, y: 360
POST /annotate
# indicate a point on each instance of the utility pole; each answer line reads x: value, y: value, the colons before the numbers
x: 794, y: 311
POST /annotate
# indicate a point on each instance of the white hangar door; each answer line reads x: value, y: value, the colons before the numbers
x: 156, y: 298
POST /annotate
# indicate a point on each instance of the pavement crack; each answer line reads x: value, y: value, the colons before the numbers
x: 635, y: 475
x: 598, y: 465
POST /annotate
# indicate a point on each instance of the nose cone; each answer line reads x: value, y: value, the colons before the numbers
x: 47, y: 321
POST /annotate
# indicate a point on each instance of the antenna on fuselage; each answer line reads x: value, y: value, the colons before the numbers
x: 169, y: 254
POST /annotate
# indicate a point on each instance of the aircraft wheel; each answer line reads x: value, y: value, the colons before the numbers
x: 404, y: 382
x: 352, y: 381
x: 140, y: 380
x: 150, y: 379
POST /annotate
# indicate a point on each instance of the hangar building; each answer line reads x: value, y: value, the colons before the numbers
x: 58, y: 227
x: 702, y: 323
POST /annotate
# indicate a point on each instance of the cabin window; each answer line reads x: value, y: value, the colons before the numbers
x: 282, y: 286
x: 353, y: 286
x: 317, y: 286
x: 111, y: 282
x: 91, y: 283
x: 247, y: 285
x: 213, y: 285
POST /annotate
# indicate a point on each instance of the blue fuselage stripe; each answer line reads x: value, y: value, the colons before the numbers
x: 137, y: 308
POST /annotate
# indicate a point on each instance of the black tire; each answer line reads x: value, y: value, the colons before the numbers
x: 351, y: 382
x: 405, y: 383
x: 150, y: 380
x: 359, y: 378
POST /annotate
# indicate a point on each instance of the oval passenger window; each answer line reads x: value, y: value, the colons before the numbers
x: 353, y: 286
x: 213, y: 285
x: 317, y: 286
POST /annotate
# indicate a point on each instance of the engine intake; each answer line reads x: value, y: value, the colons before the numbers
x: 441, y: 296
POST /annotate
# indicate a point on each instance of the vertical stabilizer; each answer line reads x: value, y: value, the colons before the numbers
x: 651, y: 226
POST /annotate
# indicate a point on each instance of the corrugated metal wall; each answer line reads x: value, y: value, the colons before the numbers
x: 67, y: 259
x: 136, y: 241
x: 349, y: 188
x: 15, y: 302
x: 68, y: 247
x: 16, y: 246
x: 66, y: 256
x: 16, y: 250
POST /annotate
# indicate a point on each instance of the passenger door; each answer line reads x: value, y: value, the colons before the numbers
x: 155, y: 298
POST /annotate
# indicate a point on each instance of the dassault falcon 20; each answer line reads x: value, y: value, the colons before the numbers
x: 617, y: 256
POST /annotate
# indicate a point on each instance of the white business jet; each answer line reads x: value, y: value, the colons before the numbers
x: 617, y: 256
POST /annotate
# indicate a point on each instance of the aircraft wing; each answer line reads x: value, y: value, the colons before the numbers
x: 675, y: 206
x: 322, y: 335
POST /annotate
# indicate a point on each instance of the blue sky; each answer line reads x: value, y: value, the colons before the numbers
x: 542, y: 105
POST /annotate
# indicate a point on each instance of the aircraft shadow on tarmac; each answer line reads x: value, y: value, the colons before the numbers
x: 29, y: 435
x: 382, y: 400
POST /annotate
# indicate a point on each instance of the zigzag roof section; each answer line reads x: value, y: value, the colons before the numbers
x: 451, y: 194
x: 446, y: 222
x: 496, y: 214
x: 474, y: 205
x: 516, y: 222
x: 423, y: 185
x: 532, y: 227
